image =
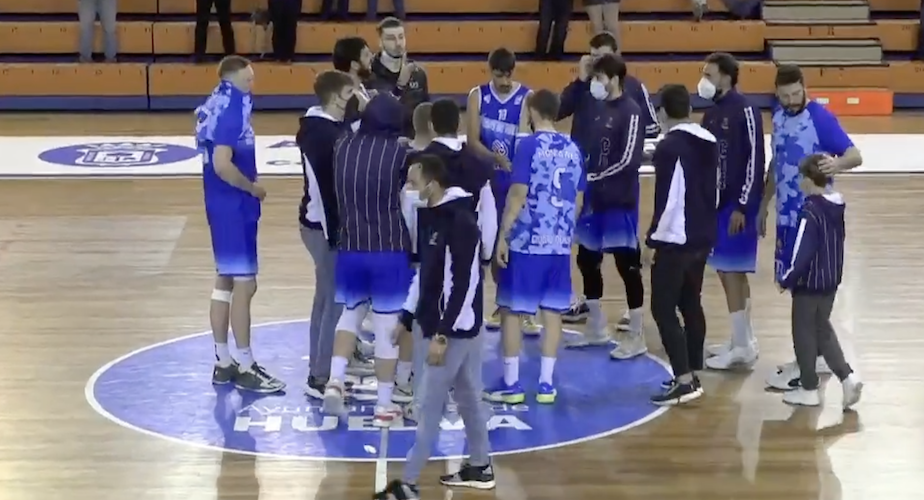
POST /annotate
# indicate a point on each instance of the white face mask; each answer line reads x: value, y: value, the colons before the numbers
x: 598, y: 90
x: 705, y: 88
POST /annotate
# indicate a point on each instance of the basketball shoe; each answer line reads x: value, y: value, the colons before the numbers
x: 222, y: 375
x: 255, y: 379
x: 471, y: 476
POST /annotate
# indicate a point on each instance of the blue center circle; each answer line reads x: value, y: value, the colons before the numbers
x: 165, y: 390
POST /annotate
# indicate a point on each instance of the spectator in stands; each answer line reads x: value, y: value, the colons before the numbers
x: 393, y: 72
x: 87, y: 12
x: 557, y: 12
x: 372, y: 9
x: 203, y: 12
x: 284, y: 15
x: 335, y: 10
x: 604, y: 16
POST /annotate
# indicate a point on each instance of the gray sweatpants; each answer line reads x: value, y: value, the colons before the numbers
x: 812, y: 334
x: 325, y: 312
x: 463, y: 357
x: 87, y: 10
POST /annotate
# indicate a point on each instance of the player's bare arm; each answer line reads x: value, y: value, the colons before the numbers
x: 473, y: 124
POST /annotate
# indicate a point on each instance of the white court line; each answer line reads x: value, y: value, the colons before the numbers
x: 381, y: 463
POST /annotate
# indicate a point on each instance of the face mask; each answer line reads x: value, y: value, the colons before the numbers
x: 598, y: 90
x: 705, y: 88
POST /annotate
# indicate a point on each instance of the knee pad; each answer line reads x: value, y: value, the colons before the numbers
x: 221, y: 295
x: 383, y: 328
x: 351, y: 320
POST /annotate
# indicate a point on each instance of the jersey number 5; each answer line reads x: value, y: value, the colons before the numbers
x: 555, y: 195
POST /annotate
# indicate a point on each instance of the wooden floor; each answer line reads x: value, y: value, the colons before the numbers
x: 94, y: 269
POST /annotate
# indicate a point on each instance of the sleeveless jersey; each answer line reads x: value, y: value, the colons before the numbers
x: 500, y: 122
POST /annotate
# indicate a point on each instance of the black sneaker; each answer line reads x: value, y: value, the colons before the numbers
x: 678, y: 394
x: 398, y: 490
x: 577, y: 314
x: 667, y: 384
x: 223, y: 375
x: 471, y: 476
x: 314, y: 387
x: 257, y: 380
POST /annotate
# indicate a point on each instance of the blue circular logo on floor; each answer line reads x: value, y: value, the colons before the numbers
x: 117, y: 154
x: 165, y: 390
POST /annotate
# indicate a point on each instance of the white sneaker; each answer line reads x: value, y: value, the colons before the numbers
x: 385, y: 415
x: 360, y: 367
x: 718, y: 349
x: 589, y: 339
x: 530, y: 327
x: 333, y: 398
x: 367, y: 324
x: 821, y: 366
x: 493, y: 321
x: 737, y: 357
x: 365, y: 347
x: 786, y: 377
x: 402, y: 394
x: 802, y: 397
x: 623, y: 324
x: 853, y: 389
x: 632, y: 346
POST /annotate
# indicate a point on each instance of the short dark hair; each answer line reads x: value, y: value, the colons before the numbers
x: 445, y: 117
x: 433, y: 169
x: 675, y: 100
x: 346, y: 51
x: 788, y: 74
x: 612, y: 66
x: 388, y: 23
x: 421, y: 117
x: 809, y: 169
x: 727, y: 65
x: 502, y: 60
x: 232, y: 64
x: 330, y: 83
x: 545, y: 102
x: 604, y: 39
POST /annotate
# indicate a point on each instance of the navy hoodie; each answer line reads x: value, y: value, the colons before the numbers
x: 613, y: 155
x: 818, y: 253
x: 317, y: 135
x: 737, y: 126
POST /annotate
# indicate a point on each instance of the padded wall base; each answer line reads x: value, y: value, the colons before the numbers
x: 74, y: 103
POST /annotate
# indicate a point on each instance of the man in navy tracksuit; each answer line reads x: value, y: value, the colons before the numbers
x: 577, y: 101
x: 813, y: 277
x: 736, y: 124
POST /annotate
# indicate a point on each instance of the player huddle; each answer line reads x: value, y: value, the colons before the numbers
x: 403, y: 232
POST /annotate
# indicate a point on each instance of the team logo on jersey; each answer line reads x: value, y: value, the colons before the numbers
x: 596, y: 397
x: 518, y: 100
x: 118, y: 154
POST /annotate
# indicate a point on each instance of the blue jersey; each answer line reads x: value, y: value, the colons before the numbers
x: 500, y: 118
x: 814, y: 130
x: 549, y: 163
x: 224, y: 120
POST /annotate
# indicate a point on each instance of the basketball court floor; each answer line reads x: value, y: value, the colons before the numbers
x: 104, y: 286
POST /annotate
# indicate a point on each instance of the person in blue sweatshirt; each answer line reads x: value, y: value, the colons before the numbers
x: 578, y: 103
x: 812, y: 277
x: 736, y: 123
x: 609, y: 222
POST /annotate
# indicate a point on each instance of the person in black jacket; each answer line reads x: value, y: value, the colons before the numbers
x: 682, y: 233
x: 318, y: 132
x: 448, y: 309
x: 394, y: 72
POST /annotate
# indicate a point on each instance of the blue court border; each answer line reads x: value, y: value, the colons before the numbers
x: 90, y: 396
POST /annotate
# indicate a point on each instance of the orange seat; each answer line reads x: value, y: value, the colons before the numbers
x: 44, y: 79
x: 62, y: 37
x: 70, y: 6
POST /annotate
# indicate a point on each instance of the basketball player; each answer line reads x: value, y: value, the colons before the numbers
x: 534, y: 244
x: 800, y: 128
x: 394, y: 72
x: 373, y: 270
x: 225, y: 137
x: 736, y: 124
x: 495, y: 117
x: 609, y: 224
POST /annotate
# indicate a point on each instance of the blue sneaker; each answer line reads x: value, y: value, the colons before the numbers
x: 503, y: 393
x: 546, y: 393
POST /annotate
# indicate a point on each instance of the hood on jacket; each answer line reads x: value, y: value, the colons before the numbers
x: 382, y: 116
x: 831, y: 203
x: 317, y: 115
x: 452, y: 198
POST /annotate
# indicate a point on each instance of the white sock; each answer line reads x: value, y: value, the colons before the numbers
x: 223, y: 354
x: 511, y: 370
x: 338, y: 365
x: 740, y: 330
x: 636, y: 317
x: 546, y: 369
x: 385, y: 389
x: 403, y: 375
x: 245, y: 358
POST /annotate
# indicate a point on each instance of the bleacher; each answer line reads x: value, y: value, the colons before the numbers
x: 451, y: 39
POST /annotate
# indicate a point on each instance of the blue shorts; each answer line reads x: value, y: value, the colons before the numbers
x: 533, y: 282
x: 738, y: 253
x: 614, y: 228
x: 234, y: 244
x: 381, y: 279
x: 785, y: 241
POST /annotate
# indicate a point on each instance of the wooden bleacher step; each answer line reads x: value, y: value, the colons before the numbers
x: 841, y: 11
x: 826, y: 52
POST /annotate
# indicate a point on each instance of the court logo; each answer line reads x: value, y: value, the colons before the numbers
x: 118, y: 154
x: 597, y: 397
